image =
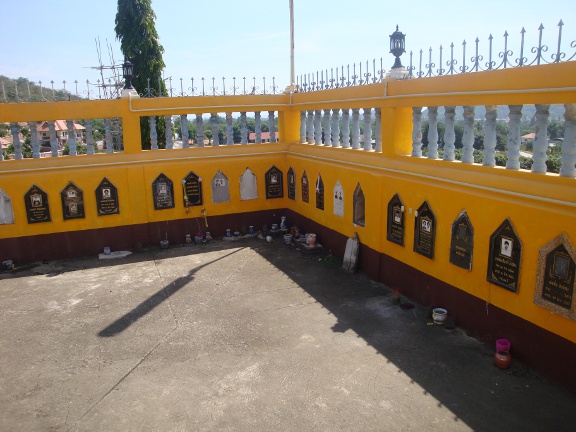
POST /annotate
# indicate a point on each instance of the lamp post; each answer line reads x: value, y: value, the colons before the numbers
x: 128, y: 72
x: 397, y: 45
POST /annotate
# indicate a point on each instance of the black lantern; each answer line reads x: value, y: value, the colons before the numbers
x: 397, y: 40
x: 128, y: 72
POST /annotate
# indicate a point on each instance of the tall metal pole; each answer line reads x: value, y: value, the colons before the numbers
x: 292, y: 46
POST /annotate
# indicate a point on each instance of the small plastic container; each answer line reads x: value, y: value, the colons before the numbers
x: 503, y: 345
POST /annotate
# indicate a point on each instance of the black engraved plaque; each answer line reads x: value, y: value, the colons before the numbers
x: 395, y: 231
x: 163, y: 193
x: 558, y: 285
x: 505, y: 256
x: 462, y: 242
x: 291, y: 184
x: 192, y: 190
x: 107, y: 198
x: 274, y: 183
x: 319, y: 193
x: 305, y: 188
x: 425, y: 231
x: 72, y: 202
x: 37, y: 208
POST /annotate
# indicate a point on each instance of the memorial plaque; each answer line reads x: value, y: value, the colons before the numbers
x: 274, y: 183
x: 425, y: 231
x: 505, y: 256
x: 72, y: 202
x: 220, y: 188
x: 359, y: 201
x: 555, y: 278
x: 163, y: 193
x: 291, y: 184
x: 338, y: 199
x: 395, y: 232
x: 107, y: 198
x: 462, y: 241
x: 305, y: 188
x: 319, y: 193
x: 6, y: 209
x: 192, y: 190
x: 248, y: 185
x: 37, y: 208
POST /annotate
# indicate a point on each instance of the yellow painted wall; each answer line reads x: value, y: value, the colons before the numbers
x: 539, y: 206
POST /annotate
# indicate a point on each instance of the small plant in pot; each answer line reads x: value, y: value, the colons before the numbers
x: 396, y: 297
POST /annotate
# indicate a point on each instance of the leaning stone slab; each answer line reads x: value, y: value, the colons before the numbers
x: 114, y: 255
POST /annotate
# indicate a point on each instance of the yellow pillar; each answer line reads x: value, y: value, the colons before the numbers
x: 289, y: 126
x: 131, y: 130
x: 396, y: 131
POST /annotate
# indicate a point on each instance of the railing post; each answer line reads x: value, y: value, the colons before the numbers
x: 433, y: 132
x: 490, y: 136
x: 568, y: 161
x: 541, y: 141
x: 169, y: 136
x: 302, y: 127
x: 229, y: 129
x: 417, y: 131
x: 346, y: 128
x: 318, y: 127
x: 153, y: 134
x: 90, y: 137
x: 71, y: 138
x: 367, y: 117
x: 199, y: 130
x: 355, y: 128
x: 271, y: 126
x: 214, y: 124
x: 15, y: 129
x: 326, y: 127
x: 310, y: 127
x: 257, y: 128
x: 243, y: 129
x: 108, y: 135
x: 449, y: 134
x: 53, y: 138
x: 184, y: 130
x: 468, y: 136
x: 513, y: 152
x: 335, y: 128
x: 378, y: 131
x: 34, y: 140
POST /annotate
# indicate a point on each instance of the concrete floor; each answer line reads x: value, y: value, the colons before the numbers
x: 245, y: 336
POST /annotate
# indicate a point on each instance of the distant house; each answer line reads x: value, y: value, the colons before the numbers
x: 528, y: 137
x: 265, y: 136
x: 61, y: 133
x: 4, y: 143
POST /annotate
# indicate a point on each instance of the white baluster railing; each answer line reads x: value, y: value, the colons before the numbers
x: 346, y: 128
x: 417, y: 131
x: 568, y: 161
x: 432, y: 132
x: 513, y: 152
x: 541, y: 141
x: 490, y: 136
x: 449, y: 134
x: 468, y: 137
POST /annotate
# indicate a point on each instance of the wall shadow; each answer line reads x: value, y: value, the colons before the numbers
x: 455, y: 369
x: 155, y: 300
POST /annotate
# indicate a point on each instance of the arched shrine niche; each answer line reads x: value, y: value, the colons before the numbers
x: 248, y: 185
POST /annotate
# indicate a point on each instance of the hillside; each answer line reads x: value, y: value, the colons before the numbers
x: 35, y: 95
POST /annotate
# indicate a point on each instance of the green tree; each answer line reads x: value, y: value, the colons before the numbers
x: 556, y: 129
x: 138, y: 38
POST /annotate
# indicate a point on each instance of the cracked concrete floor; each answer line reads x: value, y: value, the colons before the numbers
x: 244, y: 336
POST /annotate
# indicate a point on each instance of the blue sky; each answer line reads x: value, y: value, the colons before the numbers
x: 54, y: 40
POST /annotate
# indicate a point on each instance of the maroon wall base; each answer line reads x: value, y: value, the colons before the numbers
x: 23, y: 250
x: 549, y: 354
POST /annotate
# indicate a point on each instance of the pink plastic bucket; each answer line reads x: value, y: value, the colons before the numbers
x: 502, y: 345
